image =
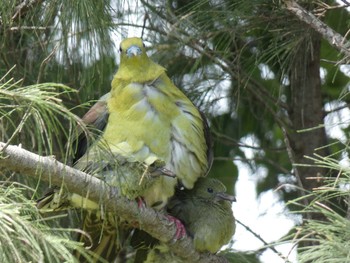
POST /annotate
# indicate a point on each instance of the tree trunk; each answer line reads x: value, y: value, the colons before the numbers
x: 307, y: 135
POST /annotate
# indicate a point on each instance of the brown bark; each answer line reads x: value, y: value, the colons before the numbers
x: 50, y: 170
x: 308, y: 135
x: 334, y: 38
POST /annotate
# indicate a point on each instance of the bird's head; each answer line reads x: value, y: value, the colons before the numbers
x: 132, y: 49
x: 210, y: 189
x: 135, y: 65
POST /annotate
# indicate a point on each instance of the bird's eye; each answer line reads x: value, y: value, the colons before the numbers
x: 143, y: 44
x: 120, y: 49
x: 210, y: 190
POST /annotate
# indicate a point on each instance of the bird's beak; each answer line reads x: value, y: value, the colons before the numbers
x: 133, y: 51
x: 227, y: 197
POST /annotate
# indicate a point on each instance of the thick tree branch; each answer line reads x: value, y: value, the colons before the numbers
x: 334, y: 39
x: 48, y: 169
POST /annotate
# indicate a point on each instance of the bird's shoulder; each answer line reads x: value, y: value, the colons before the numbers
x: 96, y: 120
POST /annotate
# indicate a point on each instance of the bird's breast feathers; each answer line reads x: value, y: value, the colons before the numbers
x: 152, y: 120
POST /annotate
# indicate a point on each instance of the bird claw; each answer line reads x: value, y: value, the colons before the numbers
x: 157, y: 169
x: 163, y: 171
x: 140, y: 203
x: 180, y: 228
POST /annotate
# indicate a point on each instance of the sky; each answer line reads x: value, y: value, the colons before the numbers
x: 266, y: 215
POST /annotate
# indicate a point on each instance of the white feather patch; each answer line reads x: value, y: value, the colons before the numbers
x: 152, y: 92
x: 142, y: 106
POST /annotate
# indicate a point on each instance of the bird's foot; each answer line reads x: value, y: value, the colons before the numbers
x: 141, y: 204
x: 157, y: 169
x: 180, y: 228
x: 163, y: 171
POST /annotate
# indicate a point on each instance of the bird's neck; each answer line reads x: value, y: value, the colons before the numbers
x: 138, y: 70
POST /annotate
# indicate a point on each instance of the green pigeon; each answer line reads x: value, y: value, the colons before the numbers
x: 207, y: 216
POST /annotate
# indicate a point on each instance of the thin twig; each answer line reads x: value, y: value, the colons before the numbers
x: 334, y: 38
x: 45, y: 61
x: 295, y: 168
x: 17, y: 28
x: 263, y: 241
x: 233, y: 142
x: 345, y: 2
x: 249, y: 160
x: 22, y: 8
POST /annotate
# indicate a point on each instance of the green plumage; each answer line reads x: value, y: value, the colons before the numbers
x: 206, y: 213
x: 148, y: 128
x: 151, y: 119
x: 106, y: 235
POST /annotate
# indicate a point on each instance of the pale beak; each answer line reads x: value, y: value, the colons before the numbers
x: 133, y: 51
x: 226, y: 197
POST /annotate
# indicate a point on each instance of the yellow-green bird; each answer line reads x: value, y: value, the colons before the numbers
x: 207, y: 215
x: 150, y: 119
x: 106, y: 236
x: 144, y: 120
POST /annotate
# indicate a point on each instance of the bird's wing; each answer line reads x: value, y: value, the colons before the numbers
x: 96, y: 118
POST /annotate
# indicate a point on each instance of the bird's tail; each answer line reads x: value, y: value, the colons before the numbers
x: 106, y: 239
x: 103, y: 236
x: 54, y: 199
x: 58, y: 199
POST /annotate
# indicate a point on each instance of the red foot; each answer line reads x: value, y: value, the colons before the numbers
x: 140, y: 202
x: 180, y: 228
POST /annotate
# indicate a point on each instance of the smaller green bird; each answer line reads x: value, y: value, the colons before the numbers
x: 206, y: 213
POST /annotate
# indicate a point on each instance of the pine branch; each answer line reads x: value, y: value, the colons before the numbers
x: 267, y: 245
x: 22, y: 8
x: 334, y: 38
x: 48, y: 169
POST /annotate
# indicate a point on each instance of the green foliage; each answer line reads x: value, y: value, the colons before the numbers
x: 24, y: 235
x: 237, y: 53
x: 56, y: 41
x: 32, y: 115
x: 329, y: 238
